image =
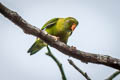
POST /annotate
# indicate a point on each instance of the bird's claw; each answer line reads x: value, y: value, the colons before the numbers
x: 56, y: 38
x: 73, y: 48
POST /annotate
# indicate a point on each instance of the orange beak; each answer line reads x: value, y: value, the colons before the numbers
x: 73, y: 27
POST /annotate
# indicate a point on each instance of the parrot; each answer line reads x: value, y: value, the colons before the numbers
x: 60, y: 28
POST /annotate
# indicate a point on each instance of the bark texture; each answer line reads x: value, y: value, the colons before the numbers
x: 49, y: 39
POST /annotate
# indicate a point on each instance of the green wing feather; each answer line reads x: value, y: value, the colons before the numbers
x: 50, y: 23
x: 39, y: 44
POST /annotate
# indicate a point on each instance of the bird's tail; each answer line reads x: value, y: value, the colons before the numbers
x: 38, y: 45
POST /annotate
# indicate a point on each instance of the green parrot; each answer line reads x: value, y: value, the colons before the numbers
x: 61, y: 28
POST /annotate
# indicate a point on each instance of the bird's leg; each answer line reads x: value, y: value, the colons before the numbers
x: 73, y: 48
x: 56, y: 38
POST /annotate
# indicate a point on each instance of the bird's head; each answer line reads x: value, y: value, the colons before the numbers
x: 70, y: 23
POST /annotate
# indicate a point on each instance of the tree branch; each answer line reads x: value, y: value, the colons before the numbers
x: 111, y: 77
x: 49, y: 53
x: 65, y: 49
x: 78, y: 69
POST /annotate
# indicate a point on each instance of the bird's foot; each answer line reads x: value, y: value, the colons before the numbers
x: 56, y: 38
x: 73, y: 48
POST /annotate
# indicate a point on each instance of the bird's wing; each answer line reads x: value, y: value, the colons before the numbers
x: 50, y: 23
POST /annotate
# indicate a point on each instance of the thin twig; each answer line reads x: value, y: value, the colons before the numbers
x: 111, y: 77
x: 50, y: 40
x: 78, y: 69
x: 49, y: 53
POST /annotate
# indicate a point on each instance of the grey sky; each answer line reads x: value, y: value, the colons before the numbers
x: 98, y: 32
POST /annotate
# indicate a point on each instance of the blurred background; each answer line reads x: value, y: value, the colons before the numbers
x: 98, y: 32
